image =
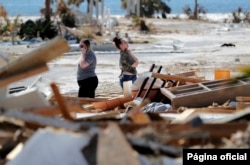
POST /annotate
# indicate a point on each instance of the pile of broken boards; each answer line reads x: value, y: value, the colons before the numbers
x: 40, y: 129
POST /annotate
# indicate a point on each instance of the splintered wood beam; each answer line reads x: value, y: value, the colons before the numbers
x: 176, y: 78
x: 98, y: 116
x: 61, y: 102
x: 34, y: 59
x: 111, y: 103
x: 19, y: 76
x: 243, y: 98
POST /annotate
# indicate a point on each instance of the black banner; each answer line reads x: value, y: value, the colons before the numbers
x: 211, y: 156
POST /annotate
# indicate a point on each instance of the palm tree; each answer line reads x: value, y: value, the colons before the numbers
x: 77, y: 3
x: 65, y: 13
x: 47, y: 9
x: 195, y: 9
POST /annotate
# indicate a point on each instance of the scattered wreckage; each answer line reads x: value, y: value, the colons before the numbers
x: 149, y: 125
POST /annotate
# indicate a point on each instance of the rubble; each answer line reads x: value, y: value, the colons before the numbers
x: 50, y: 128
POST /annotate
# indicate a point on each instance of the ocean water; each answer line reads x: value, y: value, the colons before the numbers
x: 32, y: 7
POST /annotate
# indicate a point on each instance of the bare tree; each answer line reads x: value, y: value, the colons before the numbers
x: 194, y: 14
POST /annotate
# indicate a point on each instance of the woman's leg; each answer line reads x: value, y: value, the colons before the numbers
x: 87, y: 87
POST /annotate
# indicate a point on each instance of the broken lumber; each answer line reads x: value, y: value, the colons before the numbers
x: 242, y: 102
x: 61, y: 102
x: 176, y: 78
x: 35, y: 60
x: 111, y: 103
x: 137, y: 115
x: 205, y: 93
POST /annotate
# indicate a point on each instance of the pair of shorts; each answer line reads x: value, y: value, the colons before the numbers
x: 127, y: 78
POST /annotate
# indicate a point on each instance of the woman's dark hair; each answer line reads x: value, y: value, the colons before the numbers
x: 87, y: 42
x: 117, y: 42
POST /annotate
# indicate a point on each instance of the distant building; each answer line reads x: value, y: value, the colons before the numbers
x: 133, y: 6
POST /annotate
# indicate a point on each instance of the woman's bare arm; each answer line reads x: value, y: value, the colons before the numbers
x: 135, y: 64
x: 82, y: 62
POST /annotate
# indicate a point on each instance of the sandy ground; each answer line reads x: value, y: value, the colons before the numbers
x: 201, y: 51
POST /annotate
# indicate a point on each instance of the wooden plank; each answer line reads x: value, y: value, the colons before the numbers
x: 243, y: 115
x: 243, y: 98
x: 113, y: 148
x: 221, y: 110
x: 144, y: 83
x: 34, y: 59
x: 61, y: 102
x: 197, y: 99
x: 151, y: 85
x: 110, y: 104
x: 176, y: 78
x: 188, y: 90
x: 242, y: 105
x: 190, y: 114
x: 184, y: 116
x: 167, y: 93
x: 10, y: 79
x: 187, y: 74
x: 137, y: 115
x: 98, y: 116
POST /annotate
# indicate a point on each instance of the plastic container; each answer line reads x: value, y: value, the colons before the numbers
x: 221, y: 74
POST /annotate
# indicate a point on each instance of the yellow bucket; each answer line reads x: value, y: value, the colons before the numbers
x: 221, y: 74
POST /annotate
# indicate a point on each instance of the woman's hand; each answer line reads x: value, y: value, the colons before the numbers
x: 82, y: 62
x: 83, y: 50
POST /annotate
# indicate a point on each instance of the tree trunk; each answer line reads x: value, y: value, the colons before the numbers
x: 196, y: 9
x: 47, y: 10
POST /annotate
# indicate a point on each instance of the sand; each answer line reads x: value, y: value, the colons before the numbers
x: 200, y: 49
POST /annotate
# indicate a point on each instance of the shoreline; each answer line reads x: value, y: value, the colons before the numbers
x: 208, y: 16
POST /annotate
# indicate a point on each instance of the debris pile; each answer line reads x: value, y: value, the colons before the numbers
x: 148, y: 125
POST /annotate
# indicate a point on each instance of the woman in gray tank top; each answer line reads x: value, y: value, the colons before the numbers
x: 86, y: 77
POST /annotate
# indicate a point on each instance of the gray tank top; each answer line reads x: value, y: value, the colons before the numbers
x: 83, y: 73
